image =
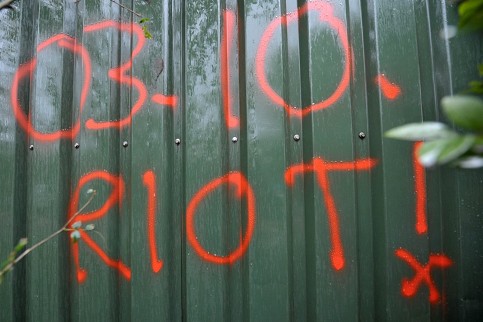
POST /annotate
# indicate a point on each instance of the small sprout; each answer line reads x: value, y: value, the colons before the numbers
x: 89, y: 227
x: 21, y: 244
x: 147, y: 34
x: 77, y: 225
x: 75, y: 236
x: 91, y: 191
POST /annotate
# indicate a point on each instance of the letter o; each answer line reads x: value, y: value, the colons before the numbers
x: 243, y: 187
x: 63, y: 41
x: 326, y: 14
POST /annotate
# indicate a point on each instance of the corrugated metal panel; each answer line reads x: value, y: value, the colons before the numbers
x: 281, y: 200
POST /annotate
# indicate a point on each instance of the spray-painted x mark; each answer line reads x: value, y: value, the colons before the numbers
x: 410, y: 286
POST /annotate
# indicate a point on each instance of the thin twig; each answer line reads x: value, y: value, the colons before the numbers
x: 46, y: 239
x: 5, y: 3
x: 124, y: 7
x: 119, y: 4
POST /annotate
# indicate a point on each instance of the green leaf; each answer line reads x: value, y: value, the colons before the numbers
x: 143, y: 20
x: 480, y: 69
x: 429, y: 152
x: 21, y: 245
x: 478, y: 145
x: 472, y: 162
x: 465, y: 111
x: 471, y: 15
x: 455, y: 147
x: 469, y: 7
x: 147, y: 34
x: 420, y: 131
x: 476, y: 87
x: 444, y: 150
x: 75, y: 236
x: 77, y: 225
x: 4, y: 264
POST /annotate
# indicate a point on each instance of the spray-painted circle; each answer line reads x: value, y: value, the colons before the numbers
x: 326, y: 15
x: 63, y: 41
x: 243, y: 188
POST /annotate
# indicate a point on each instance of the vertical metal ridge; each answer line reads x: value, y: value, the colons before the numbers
x: 182, y: 157
x: 361, y: 149
x: 244, y: 162
x: 288, y: 141
x: 26, y: 47
x: 308, y: 180
x: 368, y: 11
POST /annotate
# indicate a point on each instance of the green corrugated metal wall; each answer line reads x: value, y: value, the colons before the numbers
x: 272, y: 206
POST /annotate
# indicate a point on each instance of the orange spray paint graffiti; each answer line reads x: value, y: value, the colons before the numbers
x: 118, y: 74
x: 27, y: 70
x: 326, y: 14
x: 420, y: 189
x: 389, y: 90
x: 225, y: 50
x: 114, y: 199
x: 238, y: 180
x: 121, y: 75
x: 423, y: 274
x: 149, y: 180
x: 322, y: 168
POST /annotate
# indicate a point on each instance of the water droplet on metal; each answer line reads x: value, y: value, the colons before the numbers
x: 177, y: 141
x: 234, y: 139
x: 296, y: 137
x: 125, y: 144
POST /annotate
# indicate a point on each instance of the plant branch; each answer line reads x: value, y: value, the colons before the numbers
x: 128, y: 9
x: 5, y: 3
x: 46, y: 239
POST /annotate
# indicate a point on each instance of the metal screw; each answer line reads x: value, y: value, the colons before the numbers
x: 125, y: 144
x: 234, y: 139
x: 362, y: 135
x: 177, y: 141
x: 77, y: 145
x: 31, y: 147
x: 296, y: 137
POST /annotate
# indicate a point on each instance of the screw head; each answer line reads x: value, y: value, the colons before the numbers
x: 31, y: 147
x: 296, y: 137
x: 362, y: 135
x: 77, y: 145
x: 125, y: 144
x: 234, y: 139
x: 177, y: 141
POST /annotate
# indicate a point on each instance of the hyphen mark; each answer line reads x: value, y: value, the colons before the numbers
x: 114, y: 199
x: 326, y: 14
x: 410, y: 287
x: 242, y: 186
x: 321, y: 168
x: 149, y: 180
